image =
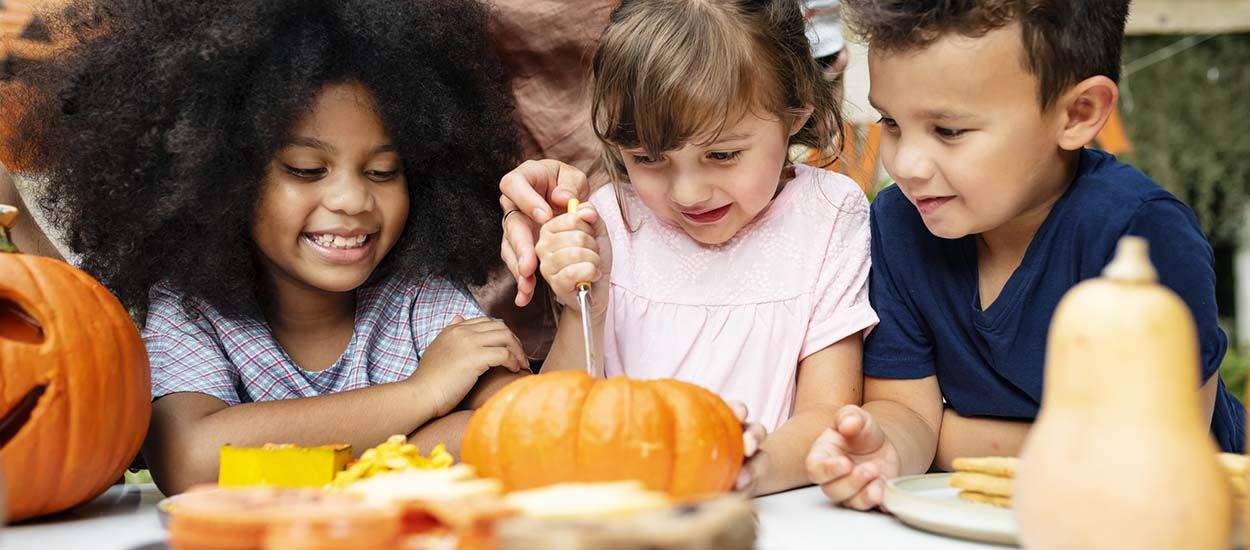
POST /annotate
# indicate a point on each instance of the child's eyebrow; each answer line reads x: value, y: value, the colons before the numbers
x: 944, y: 115
x: 304, y: 141
x: 729, y: 137
x: 932, y: 114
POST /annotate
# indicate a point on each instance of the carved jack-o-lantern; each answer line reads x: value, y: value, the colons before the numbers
x: 74, y: 383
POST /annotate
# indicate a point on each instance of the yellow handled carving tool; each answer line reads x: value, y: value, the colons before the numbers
x: 583, y: 302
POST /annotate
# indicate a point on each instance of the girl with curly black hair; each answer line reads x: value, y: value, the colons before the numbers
x: 294, y: 194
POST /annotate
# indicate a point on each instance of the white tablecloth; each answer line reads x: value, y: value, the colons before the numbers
x: 124, y: 518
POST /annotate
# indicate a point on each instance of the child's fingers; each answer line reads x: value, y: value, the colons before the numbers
x: 529, y: 185
x: 474, y: 321
x: 587, y: 213
x: 569, y: 266
x: 849, y: 421
x: 556, y: 241
x: 752, y: 437
x: 499, y: 356
x: 869, y: 498
x: 844, y: 488
x: 519, y: 234
x: 859, y: 429
x: 525, y: 290
x: 567, y: 222
x: 571, y: 183
x: 565, y: 281
x: 497, y: 334
x: 740, y: 411
x: 827, y: 460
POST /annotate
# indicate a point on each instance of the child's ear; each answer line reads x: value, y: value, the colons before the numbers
x: 799, y: 120
x: 1086, y: 108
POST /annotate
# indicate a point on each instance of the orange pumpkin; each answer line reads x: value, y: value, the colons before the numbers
x: 566, y: 426
x: 74, y: 388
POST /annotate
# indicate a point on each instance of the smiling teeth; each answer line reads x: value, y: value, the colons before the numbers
x: 337, y: 241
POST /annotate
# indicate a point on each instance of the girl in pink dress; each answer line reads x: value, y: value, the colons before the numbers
x: 713, y: 259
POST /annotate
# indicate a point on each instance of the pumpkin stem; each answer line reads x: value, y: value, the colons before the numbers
x: 1131, y: 263
x: 8, y: 218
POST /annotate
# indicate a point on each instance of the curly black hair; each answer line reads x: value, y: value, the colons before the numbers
x: 154, y: 124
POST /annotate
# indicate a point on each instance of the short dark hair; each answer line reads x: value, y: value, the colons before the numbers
x: 153, y: 124
x: 1065, y: 41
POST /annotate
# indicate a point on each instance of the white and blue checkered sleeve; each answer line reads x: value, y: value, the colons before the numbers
x: 184, y: 355
x: 438, y: 301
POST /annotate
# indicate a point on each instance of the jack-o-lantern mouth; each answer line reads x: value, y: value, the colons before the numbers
x: 17, y: 416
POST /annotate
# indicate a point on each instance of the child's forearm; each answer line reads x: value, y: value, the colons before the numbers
x: 448, y: 430
x: 188, y: 429
x: 489, y: 384
x: 786, y: 449
x: 568, y: 349
x: 914, y: 440
x: 963, y: 436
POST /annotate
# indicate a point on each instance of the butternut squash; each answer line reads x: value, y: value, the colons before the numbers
x: 1120, y: 456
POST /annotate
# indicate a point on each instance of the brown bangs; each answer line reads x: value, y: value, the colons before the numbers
x: 661, y: 82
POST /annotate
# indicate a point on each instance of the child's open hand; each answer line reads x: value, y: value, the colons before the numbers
x: 461, y: 353
x: 755, y: 463
x: 573, y: 248
x: 852, y: 460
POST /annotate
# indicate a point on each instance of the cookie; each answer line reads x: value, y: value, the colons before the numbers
x: 1234, y: 464
x: 982, y: 498
x: 982, y: 483
x: 1002, y: 466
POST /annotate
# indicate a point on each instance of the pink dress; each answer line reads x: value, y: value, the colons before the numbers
x: 737, y: 317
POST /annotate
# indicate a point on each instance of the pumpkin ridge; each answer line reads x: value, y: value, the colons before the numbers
x: 663, y: 404
x: 115, y: 357
x: 580, y: 406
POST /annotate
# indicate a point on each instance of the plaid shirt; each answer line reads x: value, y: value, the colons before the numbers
x: 193, y: 348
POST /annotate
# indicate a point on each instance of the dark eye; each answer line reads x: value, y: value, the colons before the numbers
x: 381, y: 175
x: 949, y: 133
x: 306, y: 173
x: 644, y: 159
x: 724, y: 156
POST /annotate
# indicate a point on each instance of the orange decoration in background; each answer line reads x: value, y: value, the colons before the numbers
x: 1113, y: 138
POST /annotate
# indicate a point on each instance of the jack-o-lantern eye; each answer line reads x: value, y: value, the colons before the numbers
x: 18, y: 325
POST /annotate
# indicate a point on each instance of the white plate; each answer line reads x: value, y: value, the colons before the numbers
x: 928, y: 502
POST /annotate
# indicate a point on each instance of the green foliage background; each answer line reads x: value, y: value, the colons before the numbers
x: 1189, y: 118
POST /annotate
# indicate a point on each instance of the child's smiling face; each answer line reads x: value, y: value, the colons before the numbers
x: 713, y: 190
x: 965, y: 137
x: 334, y: 200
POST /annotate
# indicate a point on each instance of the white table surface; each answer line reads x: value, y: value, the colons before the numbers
x: 124, y: 518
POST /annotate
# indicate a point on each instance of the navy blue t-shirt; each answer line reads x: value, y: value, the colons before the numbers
x: 989, y: 362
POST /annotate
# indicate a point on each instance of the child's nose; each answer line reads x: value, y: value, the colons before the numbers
x: 912, y: 162
x: 349, y: 194
x: 687, y: 191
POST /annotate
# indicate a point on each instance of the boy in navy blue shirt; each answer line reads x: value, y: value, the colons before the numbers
x: 998, y: 210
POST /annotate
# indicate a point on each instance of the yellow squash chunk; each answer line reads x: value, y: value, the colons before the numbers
x: 281, y: 465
